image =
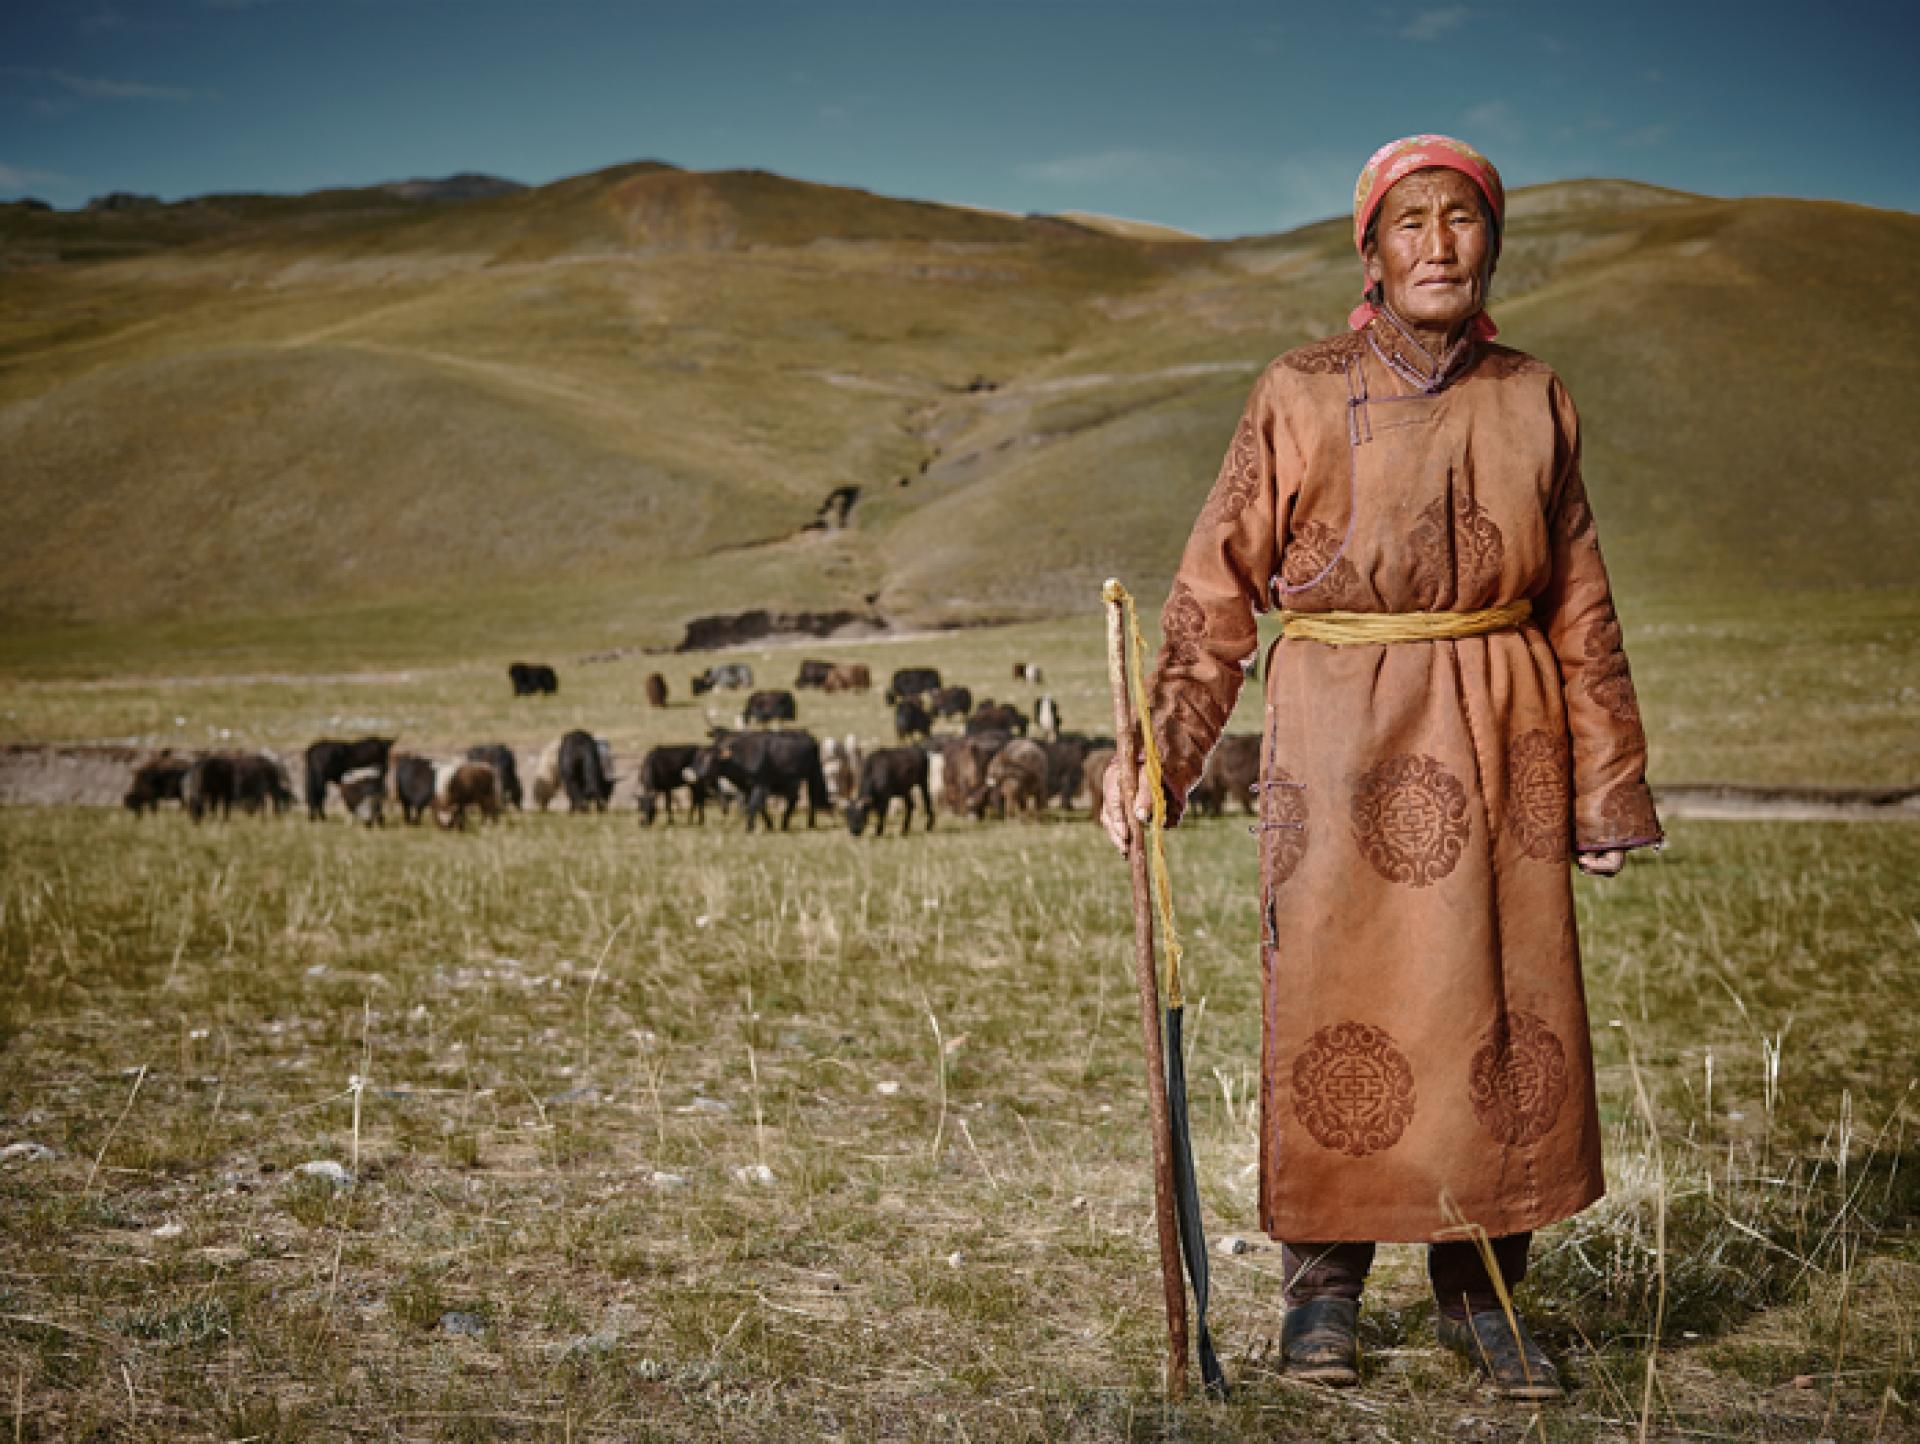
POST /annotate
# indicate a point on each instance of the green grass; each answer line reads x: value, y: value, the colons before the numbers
x: 550, y: 1015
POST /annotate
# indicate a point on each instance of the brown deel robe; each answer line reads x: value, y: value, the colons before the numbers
x: 1425, y: 1024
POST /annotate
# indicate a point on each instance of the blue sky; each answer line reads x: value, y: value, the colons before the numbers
x: 1221, y: 118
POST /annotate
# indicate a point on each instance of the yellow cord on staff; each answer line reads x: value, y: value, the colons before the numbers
x: 1150, y: 767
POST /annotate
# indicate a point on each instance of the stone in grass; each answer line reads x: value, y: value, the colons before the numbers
x: 757, y: 1173
x: 585, y: 1093
x: 667, y: 1180
x: 459, y: 1321
x: 704, y: 1104
x: 326, y: 1168
x: 170, y: 1229
x: 1234, y: 1244
x: 26, y: 1151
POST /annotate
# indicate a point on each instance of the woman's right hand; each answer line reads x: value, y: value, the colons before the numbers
x: 1113, y: 807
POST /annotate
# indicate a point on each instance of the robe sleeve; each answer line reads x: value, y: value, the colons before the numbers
x: 1210, y: 637
x: 1612, y: 805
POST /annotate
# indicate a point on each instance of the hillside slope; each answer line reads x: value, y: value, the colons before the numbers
x: 624, y: 398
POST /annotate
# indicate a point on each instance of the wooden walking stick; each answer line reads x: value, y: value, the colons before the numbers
x: 1126, y: 733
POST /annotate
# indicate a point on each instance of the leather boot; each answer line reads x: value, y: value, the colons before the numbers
x: 1512, y: 1364
x: 1319, y: 1342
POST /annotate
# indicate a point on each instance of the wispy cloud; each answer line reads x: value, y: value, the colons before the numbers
x: 25, y: 177
x: 110, y: 19
x: 99, y: 87
x: 1492, y: 120
x: 1647, y: 136
x: 1104, y: 166
x: 1432, y: 24
x: 1312, y: 188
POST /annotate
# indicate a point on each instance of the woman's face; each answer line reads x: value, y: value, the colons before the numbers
x: 1432, y: 248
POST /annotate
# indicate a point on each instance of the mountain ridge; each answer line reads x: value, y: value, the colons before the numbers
x: 635, y: 388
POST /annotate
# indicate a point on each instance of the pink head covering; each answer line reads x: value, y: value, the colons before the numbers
x: 1400, y: 158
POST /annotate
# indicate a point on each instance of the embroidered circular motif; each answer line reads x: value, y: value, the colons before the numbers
x: 1283, y: 823
x: 1410, y: 819
x: 1310, y: 548
x: 1606, y: 679
x: 1239, y: 475
x: 1352, y: 1089
x: 1518, y: 1079
x: 1183, y: 622
x: 1538, y: 806
x: 1457, y: 550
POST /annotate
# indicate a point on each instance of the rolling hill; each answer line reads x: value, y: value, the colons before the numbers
x: 598, y: 408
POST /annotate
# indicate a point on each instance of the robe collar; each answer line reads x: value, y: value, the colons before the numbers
x: 1393, y: 342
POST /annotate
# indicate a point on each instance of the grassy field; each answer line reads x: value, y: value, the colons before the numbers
x: 578, y: 1041
x: 555, y: 1058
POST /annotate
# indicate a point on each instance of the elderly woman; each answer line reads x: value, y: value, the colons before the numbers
x: 1449, y: 726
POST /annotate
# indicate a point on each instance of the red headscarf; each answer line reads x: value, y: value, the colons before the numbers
x: 1403, y: 157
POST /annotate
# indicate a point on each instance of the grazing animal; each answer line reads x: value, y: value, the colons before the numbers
x: 209, y: 784
x: 1231, y: 771
x: 656, y: 690
x: 546, y: 775
x: 888, y: 773
x: 1066, y: 764
x: 1019, y: 671
x: 461, y: 785
x: 912, y: 682
x: 364, y: 791
x: 992, y: 716
x: 1094, y: 771
x: 329, y: 761
x: 732, y: 676
x: 156, y: 782
x: 665, y: 770
x: 413, y: 786
x: 1035, y: 677
x: 764, y: 765
x: 936, y: 775
x: 964, y: 768
x: 910, y: 720
x: 1016, y: 780
x: 533, y: 679
x: 850, y: 677
x: 585, y: 772
x: 949, y: 702
x: 259, y: 782
x: 840, y: 760
x: 1046, y: 717
x: 499, y: 757
x: 771, y: 706
x: 813, y: 674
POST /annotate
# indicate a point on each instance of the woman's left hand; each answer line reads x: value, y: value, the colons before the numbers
x: 1602, y: 864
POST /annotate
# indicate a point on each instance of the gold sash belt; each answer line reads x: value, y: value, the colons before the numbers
x: 1354, y: 629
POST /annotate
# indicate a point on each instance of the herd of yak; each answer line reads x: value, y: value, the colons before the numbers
x: 1000, y: 761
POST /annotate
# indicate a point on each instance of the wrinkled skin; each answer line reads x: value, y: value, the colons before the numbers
x: 1431, y: 251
